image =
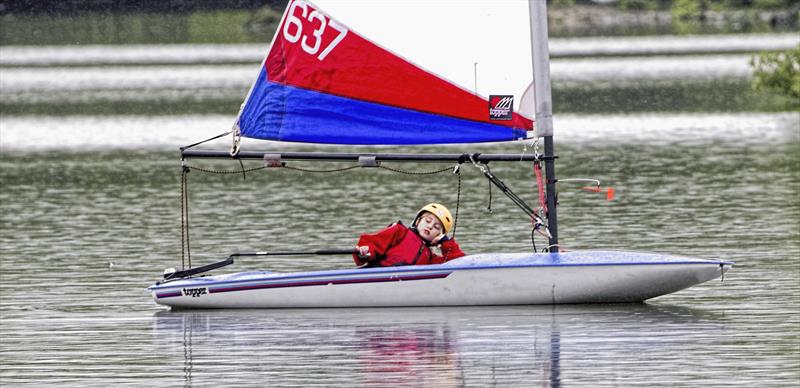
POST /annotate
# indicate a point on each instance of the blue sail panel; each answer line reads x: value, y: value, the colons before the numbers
x: 286, y: 113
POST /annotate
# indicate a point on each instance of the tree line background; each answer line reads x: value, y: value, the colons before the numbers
x: 82, y: 22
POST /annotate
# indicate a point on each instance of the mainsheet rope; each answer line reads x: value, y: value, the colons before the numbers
x: 456, y: 170
x: 185, y: 246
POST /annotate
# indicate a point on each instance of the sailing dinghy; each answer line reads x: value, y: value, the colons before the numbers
x: 322, y: 82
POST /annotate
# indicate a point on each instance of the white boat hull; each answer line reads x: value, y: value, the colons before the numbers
x: 502, y: 279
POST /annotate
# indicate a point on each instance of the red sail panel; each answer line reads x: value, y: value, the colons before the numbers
x: 312, y: 51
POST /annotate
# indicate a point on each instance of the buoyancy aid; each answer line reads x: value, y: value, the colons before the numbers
x: 399, y: 245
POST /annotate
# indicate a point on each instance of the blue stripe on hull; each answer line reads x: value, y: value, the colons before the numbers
x: 169, y: 294
x: 329, y: 282
x: 286, y: 113
x: 273, y: 284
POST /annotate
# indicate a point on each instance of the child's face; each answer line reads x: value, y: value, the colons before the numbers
x: 429, y: 227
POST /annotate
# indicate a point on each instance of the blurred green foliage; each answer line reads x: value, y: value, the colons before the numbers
x: 638, y: 5
x: 206, y: 24
x: 698, y: 16
x: 778, y: 72
x: 226, y: 26
x: 717, y: 95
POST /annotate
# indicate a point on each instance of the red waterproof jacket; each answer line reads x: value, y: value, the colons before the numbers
x: 399, y: 245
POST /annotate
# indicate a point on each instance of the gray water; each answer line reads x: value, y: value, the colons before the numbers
x: 90, y: 216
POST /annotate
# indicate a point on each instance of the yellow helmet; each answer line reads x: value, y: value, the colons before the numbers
x: 440, y: 212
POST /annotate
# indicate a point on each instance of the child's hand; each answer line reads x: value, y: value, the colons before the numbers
x: 439, y: 239
x: 363, y: 252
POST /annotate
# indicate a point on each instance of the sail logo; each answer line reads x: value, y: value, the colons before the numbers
x: 501, y: 107
x: 195, y: 292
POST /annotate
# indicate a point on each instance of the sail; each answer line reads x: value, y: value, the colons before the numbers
x: 324, y: 83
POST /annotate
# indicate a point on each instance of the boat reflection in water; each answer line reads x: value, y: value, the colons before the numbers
x: 425, y: 346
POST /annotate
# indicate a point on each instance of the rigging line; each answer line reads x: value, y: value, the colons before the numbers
x: 537, y: 170
x: 185, y: 219
x: 489, y: 207
x: 534, y: 142
x: 207, y: 140
x: 457, y: 171
x: 211, y: 171
x: 505, y: 189
x: 322, y: 171
x: 244, y: 173
x: 188, y: 245
x: 415, y: 172
x: 484, y: 169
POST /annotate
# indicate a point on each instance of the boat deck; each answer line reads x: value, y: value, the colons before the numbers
x: 469, y: 262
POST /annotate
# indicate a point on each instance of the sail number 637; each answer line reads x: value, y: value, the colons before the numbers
x: 317, y: 22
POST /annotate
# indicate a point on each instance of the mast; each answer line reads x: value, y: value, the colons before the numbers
x: 540, y: 61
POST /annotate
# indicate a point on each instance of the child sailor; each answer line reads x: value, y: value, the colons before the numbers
x: 425, y: 242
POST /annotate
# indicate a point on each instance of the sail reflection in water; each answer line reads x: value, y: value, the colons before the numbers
x: 425, y: 347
